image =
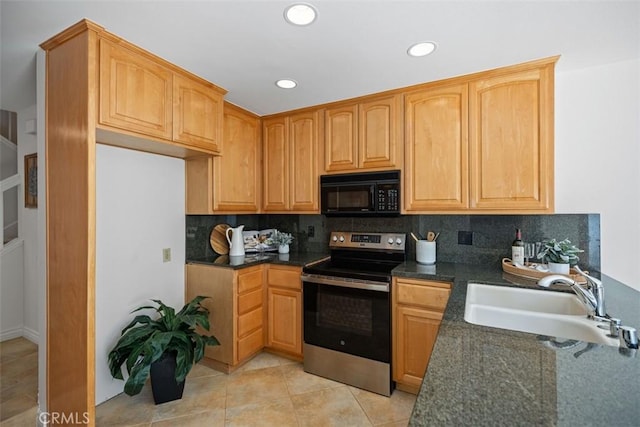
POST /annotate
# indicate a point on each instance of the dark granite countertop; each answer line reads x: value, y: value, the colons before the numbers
x: 293, y: 258
x: 484, y: 376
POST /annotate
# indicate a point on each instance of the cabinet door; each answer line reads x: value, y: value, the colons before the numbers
x: 436, y: 164
x: 415, y: 334
x: 341, y: 138
x: 511, y: 141
x: 237, y: 174
x: 135, y: 92
x: 285, y: 320
x: 380, y: 133
x: 275, y: 166
x: 303, y: 161
x: 197, y: 114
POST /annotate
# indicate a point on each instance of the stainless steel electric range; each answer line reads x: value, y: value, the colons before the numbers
x: 347, y: 310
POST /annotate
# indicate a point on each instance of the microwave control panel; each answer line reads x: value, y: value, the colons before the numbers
x: 388, y: 198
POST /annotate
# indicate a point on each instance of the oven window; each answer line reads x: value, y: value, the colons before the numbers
x: 354, y: 321
x: 345, y: 313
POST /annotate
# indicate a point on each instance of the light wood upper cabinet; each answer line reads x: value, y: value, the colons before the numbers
x: 229, y: 183
x: 511, y: 139
x: 198, y: 114
x: 482, y: 144
x: 136, y: 93
x: 436, y: 165
x: 380, y: 133
x: 275, y: 136
x: 237, y: 175
x: 290, y: 152
x: 341, y: 138
x: 144, y: 99
x: 303, y: 161
x: 364, y: 135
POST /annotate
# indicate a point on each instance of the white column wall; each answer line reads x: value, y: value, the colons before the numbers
x: 139, y: 211
x: 597, y: 165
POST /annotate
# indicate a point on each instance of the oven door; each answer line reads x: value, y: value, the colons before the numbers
x: 348, y: 316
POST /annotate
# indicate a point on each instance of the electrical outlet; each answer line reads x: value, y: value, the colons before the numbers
x: 166, y: 255
x: 311, y: 231
x: 465, y: 237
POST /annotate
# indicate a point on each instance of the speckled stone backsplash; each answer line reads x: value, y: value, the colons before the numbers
x: 491, y: 234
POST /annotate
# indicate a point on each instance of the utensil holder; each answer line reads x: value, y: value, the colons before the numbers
x: 425, y: 252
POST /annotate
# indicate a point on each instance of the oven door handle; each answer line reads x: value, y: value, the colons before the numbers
x: 353, y: 283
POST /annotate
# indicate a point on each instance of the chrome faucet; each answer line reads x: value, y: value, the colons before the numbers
x: 592, y: 297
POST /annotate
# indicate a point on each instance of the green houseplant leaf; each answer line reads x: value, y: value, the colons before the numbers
x: 145, y: 340
x: 561, y: 252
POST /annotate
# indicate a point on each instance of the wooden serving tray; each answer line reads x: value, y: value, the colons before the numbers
x: 530, y: 273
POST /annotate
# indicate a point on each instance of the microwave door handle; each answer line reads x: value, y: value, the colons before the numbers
x: 372, y: 200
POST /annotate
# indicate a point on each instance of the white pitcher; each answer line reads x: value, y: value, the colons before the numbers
x: 236, y: 243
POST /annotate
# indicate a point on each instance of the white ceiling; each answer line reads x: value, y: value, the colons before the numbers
x: 353, y: 48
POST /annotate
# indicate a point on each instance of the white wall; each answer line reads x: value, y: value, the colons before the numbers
x: 28, y: 223
x: 597, y: 165
x: 11, y: 290
x: 140, y: 211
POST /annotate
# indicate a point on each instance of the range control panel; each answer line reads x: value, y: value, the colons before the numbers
x: 355, y: 240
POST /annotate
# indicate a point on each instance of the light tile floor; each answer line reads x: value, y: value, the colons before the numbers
x: 267, y: 391
x: 18, y: 382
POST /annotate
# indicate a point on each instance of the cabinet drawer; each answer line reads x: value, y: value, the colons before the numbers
x: 250, y: 344
x: 249, y: 301
x: 285, y: 277
x: 248, y: 280
x: 423, y: 294
x: 250, y: 321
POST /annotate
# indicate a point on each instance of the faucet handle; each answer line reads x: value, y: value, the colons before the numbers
x: 628, y: 337
x: 614, y: 326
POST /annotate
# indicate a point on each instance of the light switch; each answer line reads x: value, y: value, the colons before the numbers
x: 166, y: 255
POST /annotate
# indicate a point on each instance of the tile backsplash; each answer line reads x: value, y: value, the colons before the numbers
x: 491, y: 234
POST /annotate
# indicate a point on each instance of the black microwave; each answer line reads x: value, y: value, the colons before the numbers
x: 361, y: 194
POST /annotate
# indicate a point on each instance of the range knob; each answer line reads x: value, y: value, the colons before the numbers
x: 334, y: 238
x: 390, y: 241
x: 398, y: 241
x: 341, y: 239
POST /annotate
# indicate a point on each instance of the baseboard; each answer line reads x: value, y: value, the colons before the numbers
x: 11, y: 334
x: 31, y: 335
x: 25, y: 332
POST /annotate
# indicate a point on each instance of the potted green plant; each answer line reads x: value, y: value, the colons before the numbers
x: 165, y: 348
x: 559, y: 255
x: 282, y: 240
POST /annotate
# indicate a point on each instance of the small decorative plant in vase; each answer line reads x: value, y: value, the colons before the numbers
x: 282, y: 240
x: 559, y: 255
x: 165, y: 348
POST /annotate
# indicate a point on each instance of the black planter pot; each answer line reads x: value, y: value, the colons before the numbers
x: 163, y: 380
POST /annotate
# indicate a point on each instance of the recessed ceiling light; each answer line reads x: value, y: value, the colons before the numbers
x: 300, y: 14
x: 421, y: 49
x: 286, y: 83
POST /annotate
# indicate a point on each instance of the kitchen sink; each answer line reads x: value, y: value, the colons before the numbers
x: 556, y: 314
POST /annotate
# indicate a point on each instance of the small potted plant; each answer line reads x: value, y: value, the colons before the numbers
x: 282, y: 240
x: 559, y: 255
x: 165, y: 348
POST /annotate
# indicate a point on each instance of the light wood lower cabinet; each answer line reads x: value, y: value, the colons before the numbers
x: 417, y: 308
x: 236, y: 310
x: 284, y: 296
